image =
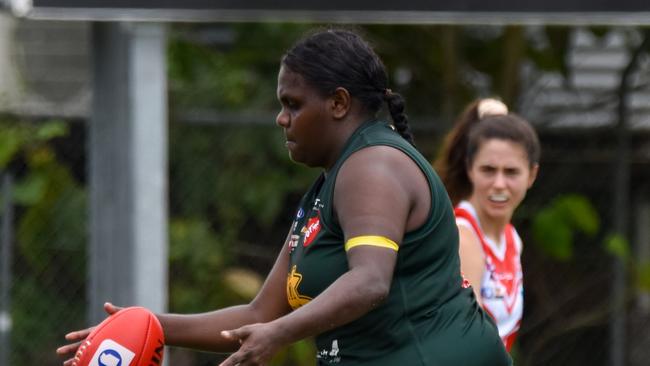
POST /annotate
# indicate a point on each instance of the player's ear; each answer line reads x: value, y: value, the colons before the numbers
x: 533, y: 175
x: 340, y: 102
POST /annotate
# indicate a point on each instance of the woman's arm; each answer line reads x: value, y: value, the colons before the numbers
x: 472, y: 259
x: 202, y: 331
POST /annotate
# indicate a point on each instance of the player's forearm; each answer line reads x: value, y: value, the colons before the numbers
x: 202, y: 331
x: 351, y: 296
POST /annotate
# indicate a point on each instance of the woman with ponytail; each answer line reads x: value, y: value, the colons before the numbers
x: 370, y: 266
x: 488, y: 162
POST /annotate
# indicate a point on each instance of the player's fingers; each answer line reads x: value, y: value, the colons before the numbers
x: 234, y: 360
x: 78, y: 334
x: 236, y: 334
x: 111, y: 309
x: 70, y: 362
x: 228, y: 334
x: 68, y: 348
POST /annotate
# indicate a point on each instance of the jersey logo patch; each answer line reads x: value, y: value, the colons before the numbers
x: 311, y: 230
x: 294, y: 297
x: 505, y: 282
x: 330, y: 356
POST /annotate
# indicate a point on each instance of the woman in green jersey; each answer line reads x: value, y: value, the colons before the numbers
x: 370, y: 266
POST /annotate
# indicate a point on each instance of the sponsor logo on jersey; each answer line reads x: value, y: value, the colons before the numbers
x: 331, y: 356
x: 487, y: 292
x: 300, y: 214
x: 294, y: 238
x: 311, y: 230
x: 294, y: 297
x: 318, y: 205
x: 293, y: 242
x: 505, y: 282
x: 111, y: 353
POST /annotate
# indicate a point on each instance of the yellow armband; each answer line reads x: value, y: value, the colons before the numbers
x: 373, y: 240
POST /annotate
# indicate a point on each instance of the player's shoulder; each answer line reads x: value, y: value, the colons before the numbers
x: 467, y: 235
x: 379, y: 161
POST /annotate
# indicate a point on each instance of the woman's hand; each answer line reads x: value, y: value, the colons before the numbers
x: 259, y: 343
x: 79, y: 335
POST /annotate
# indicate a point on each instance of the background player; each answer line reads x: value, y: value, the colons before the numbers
x: 488, y: 162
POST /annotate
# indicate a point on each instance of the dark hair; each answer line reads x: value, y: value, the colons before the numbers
x: 334, y: 58
x: 463, y: 141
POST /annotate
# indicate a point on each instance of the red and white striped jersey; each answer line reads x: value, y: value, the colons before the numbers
x: 502, y: 286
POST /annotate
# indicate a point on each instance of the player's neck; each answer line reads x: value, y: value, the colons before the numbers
x: 492, y: 227
x: 493, y: 232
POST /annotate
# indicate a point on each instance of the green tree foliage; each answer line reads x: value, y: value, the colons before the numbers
x: 229, y: 67
x: 50, y: 236
x: 618, y: 246
x: 643, y: 276
x: 447, y: 66
x: 568, y: 284
x: 554, y: 225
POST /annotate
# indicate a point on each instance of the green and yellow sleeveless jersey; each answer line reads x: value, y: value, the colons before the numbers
x: 428, y: 318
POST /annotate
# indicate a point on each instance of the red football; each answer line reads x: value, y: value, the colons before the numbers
x: 131, y: 337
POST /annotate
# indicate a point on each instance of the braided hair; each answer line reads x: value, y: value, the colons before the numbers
x: 333, y: 58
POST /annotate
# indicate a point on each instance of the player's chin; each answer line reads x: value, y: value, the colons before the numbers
x: 297, y: 157
x: 500, y: 212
